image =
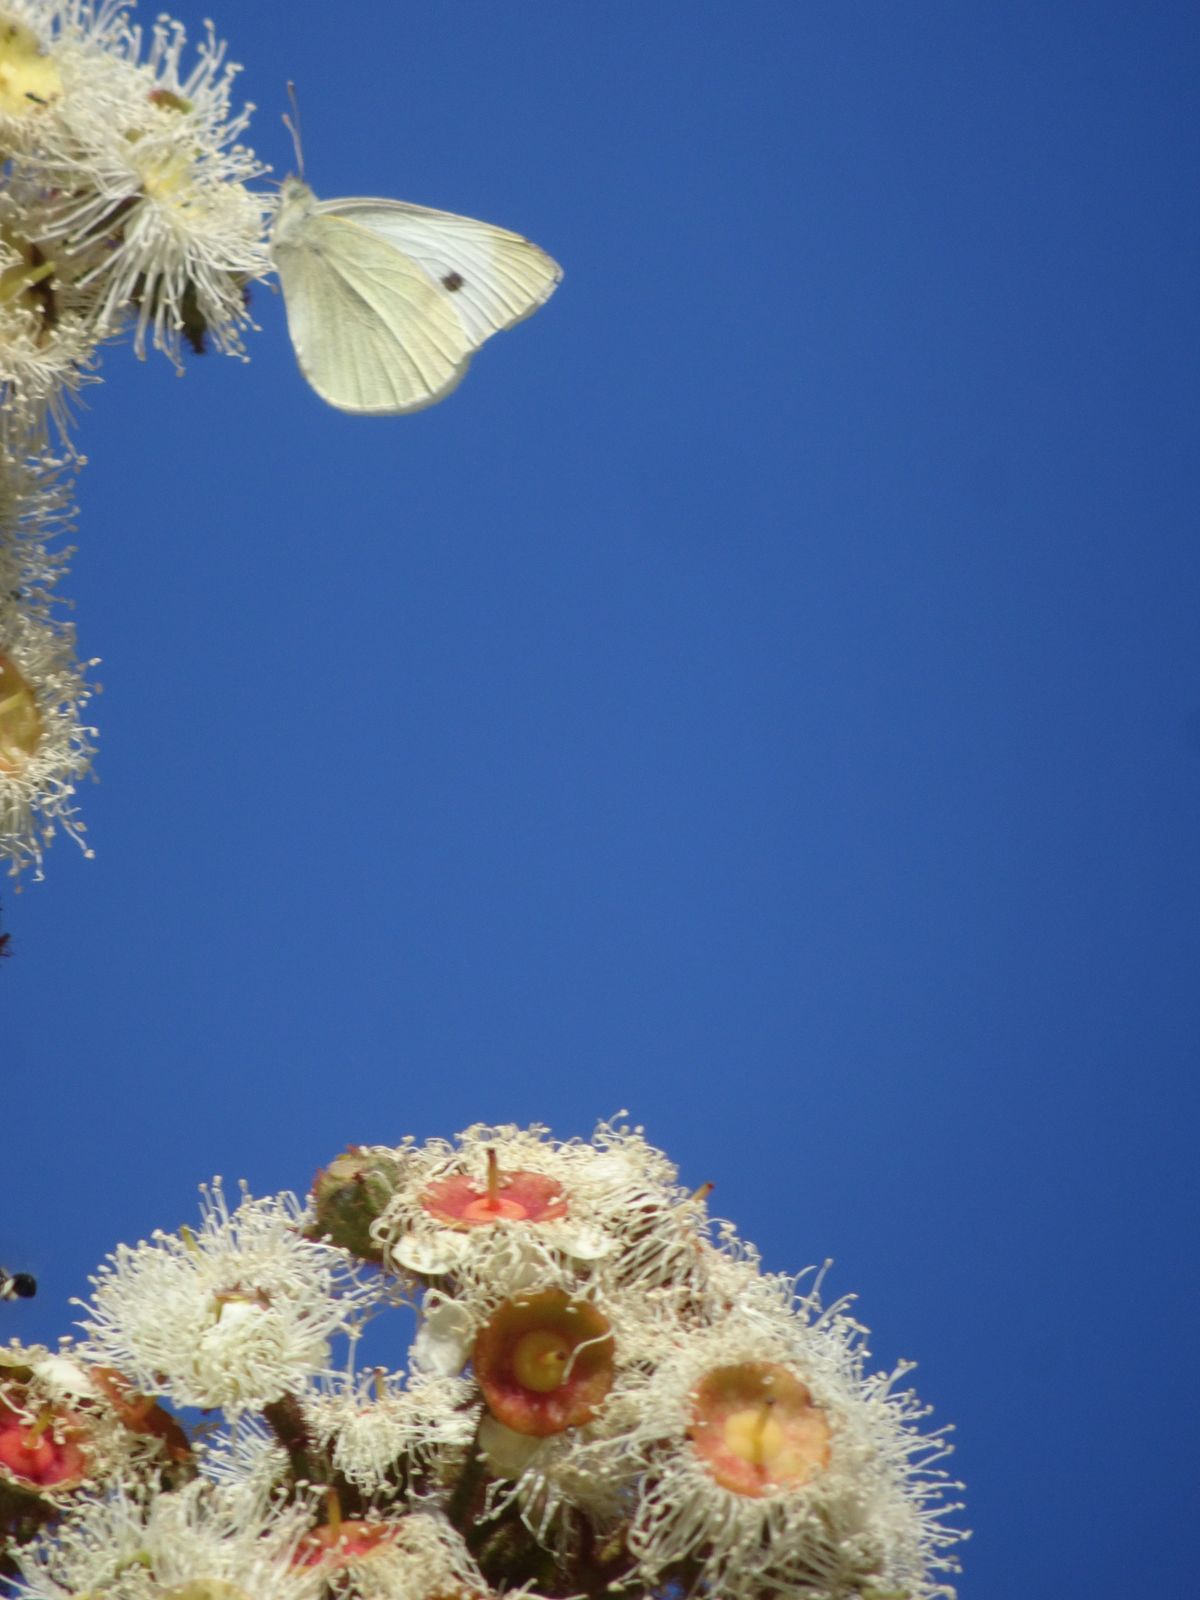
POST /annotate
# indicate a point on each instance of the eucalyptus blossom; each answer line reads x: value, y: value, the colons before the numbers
x: 644, y: 1419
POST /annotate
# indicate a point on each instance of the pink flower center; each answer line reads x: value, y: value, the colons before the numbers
x: 505, y: 1196
x: 756, y: 1428
x: 43, y: 1454
x: 337, y: 1544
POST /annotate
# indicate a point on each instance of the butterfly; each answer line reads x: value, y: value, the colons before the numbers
x: 17, y: 1285
x: 387, y: 302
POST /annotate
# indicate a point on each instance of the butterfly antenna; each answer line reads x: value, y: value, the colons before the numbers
x: 292, y: 124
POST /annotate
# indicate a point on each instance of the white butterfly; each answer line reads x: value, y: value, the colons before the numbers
x: 387, y: 302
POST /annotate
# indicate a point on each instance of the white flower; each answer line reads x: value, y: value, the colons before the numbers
x: 198, y: 1543
x: 494, y: 1202
x: 236, y: 1315
x: 137, y: 179
x: 45, y: 747
x: 383, y: 1431
x: 502, y: 1201
x: 451, y: 1322
x: 773, y: 1462
x: 415, y: 1557
x: 45, y: 346
x: 165, y: 219
x: 544, y: 1360
x: 247, y: 1457
x: 33, y: 33
x: 684, y: 1427
x: 542, y: 1477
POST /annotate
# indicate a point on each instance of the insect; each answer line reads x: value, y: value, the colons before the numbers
x: 17, y: 1285
x: 387, y: 302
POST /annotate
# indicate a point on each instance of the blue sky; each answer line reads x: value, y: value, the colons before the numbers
x: 765, y: 696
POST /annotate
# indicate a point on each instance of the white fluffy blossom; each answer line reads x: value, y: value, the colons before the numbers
x: 506, y: 1200
x: 419, y: 1556
x: 381, y: 1429
x: 151, y: 215
x: 845, y: 1497
x: 124, y: 199
x: 234, y: 1315
x: 45, y: 745
x: 200, y: 1541
x: 124, y: 206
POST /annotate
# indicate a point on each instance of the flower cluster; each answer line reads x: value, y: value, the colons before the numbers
x: 605, y: 1394
x: 125, y: 197
x: 123, y: 206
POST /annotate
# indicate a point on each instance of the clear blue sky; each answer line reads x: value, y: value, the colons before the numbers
x: 766, y: 695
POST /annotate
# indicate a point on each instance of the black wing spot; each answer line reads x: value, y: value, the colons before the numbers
x: 453, y: 281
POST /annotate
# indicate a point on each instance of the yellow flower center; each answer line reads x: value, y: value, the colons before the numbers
x: 28, y: 77
x: 20, y: 719
x: 757, y: 1429
x: 167, y: 177
x: 757, y: 1437
x: 539, y: 1359
x: 544, y: 1362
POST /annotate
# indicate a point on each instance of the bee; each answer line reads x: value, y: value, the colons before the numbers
x: 17, y: 1285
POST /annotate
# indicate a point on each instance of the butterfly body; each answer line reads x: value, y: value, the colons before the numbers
x: 387, y: 302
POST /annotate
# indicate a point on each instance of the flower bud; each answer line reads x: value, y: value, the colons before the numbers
x: 348, y: 1195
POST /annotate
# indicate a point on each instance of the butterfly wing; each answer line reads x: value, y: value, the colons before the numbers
x: 371, y: 333
x: 492, y: 277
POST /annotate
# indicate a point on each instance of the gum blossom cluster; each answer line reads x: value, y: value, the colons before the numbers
x: 124, y: 208
x: 605, y: 1395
